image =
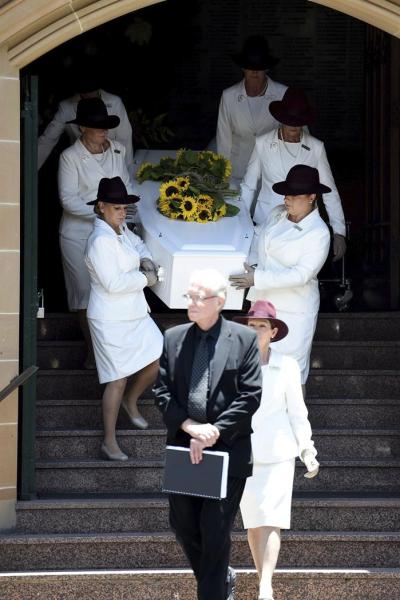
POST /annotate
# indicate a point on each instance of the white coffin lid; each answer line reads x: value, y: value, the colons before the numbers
x: 228, y: 235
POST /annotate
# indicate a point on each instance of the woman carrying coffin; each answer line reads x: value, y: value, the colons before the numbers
x: 276, y: 152
x: 82, y: 165
x: 125, y: 339
x: 289, y: 251
x: 243, y: 110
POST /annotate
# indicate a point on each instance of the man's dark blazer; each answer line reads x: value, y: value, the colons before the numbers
x: 235, y: 389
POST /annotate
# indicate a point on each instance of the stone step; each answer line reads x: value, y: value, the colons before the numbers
x: 325, y: 355
x: 331, y: 326
x: 347, y: 413
x: 150, y: 513
x: 160, y: 550
x: 322, y: 383
x: 83, y: 444
x: 162, y: 584
x: 145, y: 476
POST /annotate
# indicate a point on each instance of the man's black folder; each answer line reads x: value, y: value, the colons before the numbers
x: 208, y: 479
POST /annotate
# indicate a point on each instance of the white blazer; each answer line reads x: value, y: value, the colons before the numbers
x: 116, y: 284
x: 288, y: 261
x: 67, y: 111
x: 79, y: 175
x: 281, y: 429
x: 236, y: 129
x: 266, y: 164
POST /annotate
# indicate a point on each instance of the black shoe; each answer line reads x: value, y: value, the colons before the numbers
x: 230, y: 584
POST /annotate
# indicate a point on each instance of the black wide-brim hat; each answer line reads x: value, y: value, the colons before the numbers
x: 301, y: 179
x: 113, y: 191
x: 92, y: 112
x: 294, y: 109
x: 255, y: 55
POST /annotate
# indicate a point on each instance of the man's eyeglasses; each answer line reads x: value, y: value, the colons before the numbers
x: 197, y: 298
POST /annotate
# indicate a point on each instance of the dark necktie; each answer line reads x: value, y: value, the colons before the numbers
x: 197, y: 401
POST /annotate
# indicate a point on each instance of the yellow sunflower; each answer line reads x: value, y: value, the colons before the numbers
x: 168, y: 189
x: 183, y: 183
x: 167, y: 204
x: 179, y: 154
x: 189, y: 207
x: 203, y: 215
x: 219, y: 213
x: 228, y: 169
x: 141, y: 169
x: 204, y: 200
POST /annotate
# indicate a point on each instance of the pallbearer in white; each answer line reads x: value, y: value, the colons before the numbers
x: 126, y: 340
x: 81, y: 167
x: 276, y: 152
x: 289, y: 252
x: 243, y: 110
x: 281, y: 431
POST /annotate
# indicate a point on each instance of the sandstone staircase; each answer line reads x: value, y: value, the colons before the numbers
x: 99, y: 529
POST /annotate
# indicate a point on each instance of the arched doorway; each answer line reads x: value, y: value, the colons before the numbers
x: 30, y: 29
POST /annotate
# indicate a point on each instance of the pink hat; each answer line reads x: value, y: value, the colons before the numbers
x: 264, y: 310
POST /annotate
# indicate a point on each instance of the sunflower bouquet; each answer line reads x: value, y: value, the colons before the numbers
x: 195, y: 186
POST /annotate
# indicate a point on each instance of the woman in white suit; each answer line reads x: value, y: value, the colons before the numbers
x: 289, y: 250
x: 125, y: 339
x: 243, y: 111
x: 277, y: 151
x: 81, y: 167
x: 281, y: 432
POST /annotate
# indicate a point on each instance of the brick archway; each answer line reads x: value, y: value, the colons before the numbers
x: 30, y: 28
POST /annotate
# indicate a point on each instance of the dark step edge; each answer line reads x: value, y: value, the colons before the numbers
x: 87, y: 464
x: 168, y: 537
x: 43, y: 433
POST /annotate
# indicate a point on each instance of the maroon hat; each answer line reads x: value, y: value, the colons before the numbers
x: 293, y: 109
x: 264, y: 310
x: 301, y: 179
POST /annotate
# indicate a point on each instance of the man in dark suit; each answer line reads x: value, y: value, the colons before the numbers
x: 208, y: 388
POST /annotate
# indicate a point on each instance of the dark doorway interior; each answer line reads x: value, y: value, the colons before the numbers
x: 173, y: 59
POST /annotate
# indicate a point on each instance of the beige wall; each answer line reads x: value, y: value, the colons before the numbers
x: 9, y: 289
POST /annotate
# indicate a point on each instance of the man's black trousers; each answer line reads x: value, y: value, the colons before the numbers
x: 203, y: 528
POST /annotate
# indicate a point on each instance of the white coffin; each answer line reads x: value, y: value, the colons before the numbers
x: 180, y: 248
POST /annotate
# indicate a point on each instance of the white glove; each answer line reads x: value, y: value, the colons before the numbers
x: 339, y: 246
x: 241, y: 281
x: 146, y: 264
x: 311, y: 463
x: 151, y: 277
x: 130, y: 213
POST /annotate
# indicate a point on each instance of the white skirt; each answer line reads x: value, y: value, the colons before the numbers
x: 267, y: 496
x: 76, y: 275
x: 122, y: 348
x: 298, y: 341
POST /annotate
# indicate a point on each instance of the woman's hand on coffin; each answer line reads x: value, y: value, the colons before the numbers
x: 131, y: 212
x: 244, y: 280
x: 151, y: 277
x: 146, y: 264
x: 311, y: 463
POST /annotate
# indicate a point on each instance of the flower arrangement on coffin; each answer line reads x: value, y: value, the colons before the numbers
x: 195, y: 186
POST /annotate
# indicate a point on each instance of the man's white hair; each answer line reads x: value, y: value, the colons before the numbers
x: 210, y: 279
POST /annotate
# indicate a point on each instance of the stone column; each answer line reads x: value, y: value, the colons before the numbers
x: 9, y: 285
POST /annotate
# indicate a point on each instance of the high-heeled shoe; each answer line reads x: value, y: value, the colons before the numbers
x: 113, y: 455
x: 139, y: 422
